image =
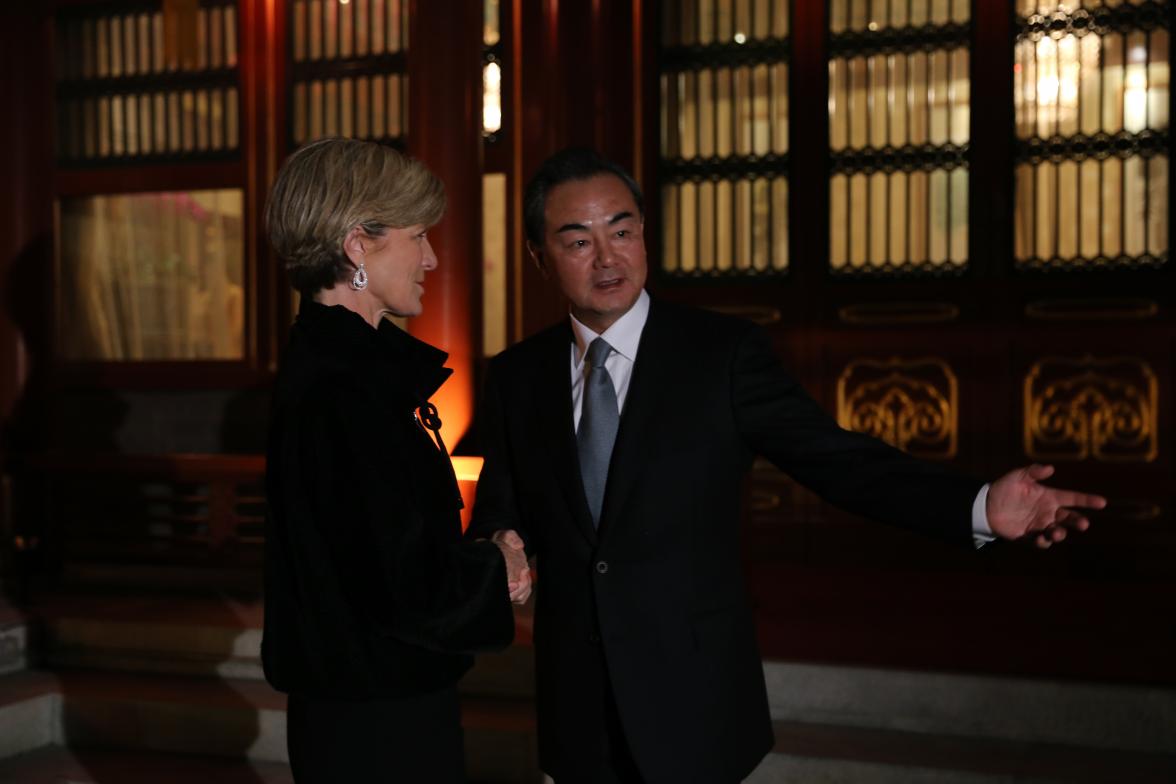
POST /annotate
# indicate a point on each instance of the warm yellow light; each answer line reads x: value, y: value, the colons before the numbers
x: 740, y: 38
x: 491, y: 98
x: 468, y: 469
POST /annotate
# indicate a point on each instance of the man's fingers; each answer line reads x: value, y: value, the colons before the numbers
x: 1081, y: 500
x: 1039, y: 471
x: 1071, y: 519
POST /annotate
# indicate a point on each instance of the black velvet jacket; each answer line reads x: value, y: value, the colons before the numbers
x: 370, y: 589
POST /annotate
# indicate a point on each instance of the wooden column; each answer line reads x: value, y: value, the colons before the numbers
x: 445, y: 132
x: 578, y: 63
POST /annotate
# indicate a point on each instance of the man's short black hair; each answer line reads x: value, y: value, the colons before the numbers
x: 569, y: 165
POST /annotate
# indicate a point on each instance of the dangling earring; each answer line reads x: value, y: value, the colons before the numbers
x: 359, y: 279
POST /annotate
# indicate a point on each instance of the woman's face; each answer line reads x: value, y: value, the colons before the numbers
x: 396, y: 264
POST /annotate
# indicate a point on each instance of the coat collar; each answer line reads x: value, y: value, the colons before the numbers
x: 410, y: 364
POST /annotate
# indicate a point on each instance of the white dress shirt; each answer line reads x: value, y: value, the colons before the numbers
x: 625, y: 335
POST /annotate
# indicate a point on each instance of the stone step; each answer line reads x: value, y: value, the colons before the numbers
x: 1099, y: 716
x: 223, y: 718
x: 29, y: 712
x: 179, y: 634
x: 15, y: 638
x: 822, y: 754
x: 58, y: 765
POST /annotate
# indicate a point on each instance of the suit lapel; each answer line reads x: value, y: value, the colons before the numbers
x: 646, y: 387
x: 553, y: 388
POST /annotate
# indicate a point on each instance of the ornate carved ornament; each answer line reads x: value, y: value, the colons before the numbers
x: 1091, y: 409
x: 909, y: 403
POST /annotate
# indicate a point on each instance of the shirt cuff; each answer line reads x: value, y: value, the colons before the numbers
x: 981, y: 532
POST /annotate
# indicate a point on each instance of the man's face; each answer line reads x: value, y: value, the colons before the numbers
x: 594, y: 246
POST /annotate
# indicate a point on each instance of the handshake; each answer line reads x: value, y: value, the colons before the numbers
x: 518, y: 571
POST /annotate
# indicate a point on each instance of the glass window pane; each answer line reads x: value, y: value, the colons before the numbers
x: 140, y: 112
x: 671, y: 253
x: 705, y: 117
x: 1092, y: 171
x: 899, y: 125
x: 706, y: 226
x: 688, y: 225
x: 367, y: 101
x: 724, y: 225
x: 724, y: 137
x: 725, y: 114
x: 490, y: 26
x: 839, y: 219
x: 152, y: 276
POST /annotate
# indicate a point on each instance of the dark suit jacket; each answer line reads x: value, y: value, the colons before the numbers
x: 657, y: 596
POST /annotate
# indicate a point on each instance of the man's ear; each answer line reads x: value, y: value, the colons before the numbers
x: 537, y: 257
x: 355, y: 245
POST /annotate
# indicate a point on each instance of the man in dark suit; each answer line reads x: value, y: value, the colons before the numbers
x: 616, y: 443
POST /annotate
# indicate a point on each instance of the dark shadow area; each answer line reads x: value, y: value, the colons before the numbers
x: 138, y: 645
x: 245, y: 420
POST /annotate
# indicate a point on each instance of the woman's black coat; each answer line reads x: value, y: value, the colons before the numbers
x: 370, y: 589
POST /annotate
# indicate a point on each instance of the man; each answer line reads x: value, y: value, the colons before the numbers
x: 616, y: 445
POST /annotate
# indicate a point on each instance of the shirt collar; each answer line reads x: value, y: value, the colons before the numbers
x: 624, y: 335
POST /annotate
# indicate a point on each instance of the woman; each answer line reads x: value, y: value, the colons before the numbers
x: 373, y: 600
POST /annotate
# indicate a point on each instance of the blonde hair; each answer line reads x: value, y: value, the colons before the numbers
x: 330, y: 186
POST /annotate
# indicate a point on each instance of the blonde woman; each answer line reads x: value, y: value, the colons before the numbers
x: 374, y: 601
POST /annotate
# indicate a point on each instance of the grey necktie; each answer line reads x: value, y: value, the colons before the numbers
x: 598, y: 426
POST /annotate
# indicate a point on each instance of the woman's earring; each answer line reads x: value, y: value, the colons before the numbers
x: 359, y: 280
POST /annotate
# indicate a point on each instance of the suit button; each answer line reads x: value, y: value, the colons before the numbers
x: 602, y: 567
x: 594, y: 638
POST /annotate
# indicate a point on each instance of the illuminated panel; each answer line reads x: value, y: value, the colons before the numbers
x: 899, y: 114
x: 492, y: 54
x: 137, y: 84
x: 724, y: 138
x: 908, y: 403
x: 495, y: 232
x: 1087, y: 408
x: 1092, y: 101
x: 349, y: 70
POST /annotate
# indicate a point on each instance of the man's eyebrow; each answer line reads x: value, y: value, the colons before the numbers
x: 620, y: 216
